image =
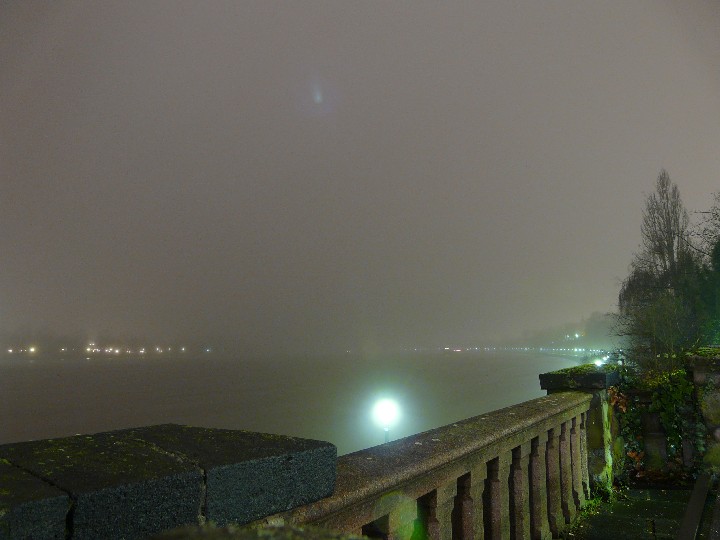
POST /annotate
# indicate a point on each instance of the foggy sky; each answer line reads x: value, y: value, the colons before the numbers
x: 310, y: 175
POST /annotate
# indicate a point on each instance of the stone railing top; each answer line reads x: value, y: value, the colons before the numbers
x: 371, y: 472
x: 230, y: 532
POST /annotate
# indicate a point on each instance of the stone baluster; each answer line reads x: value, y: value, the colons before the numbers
x: 539, y: 526
x: 584, y: 455
x: 519, y: 492
x: 566, y: 474
x: 554, y: 498
x: 497, y: 498
x: 462, y: 514
x: 577, y: 465
x: 437, y: 506
x: 445, y: 506
x: 402, y: 519
x: 478, y: 487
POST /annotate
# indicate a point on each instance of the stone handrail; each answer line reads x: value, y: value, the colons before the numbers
x: 518, y: 472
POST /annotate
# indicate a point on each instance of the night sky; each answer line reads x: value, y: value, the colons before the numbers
x: 312, y: 176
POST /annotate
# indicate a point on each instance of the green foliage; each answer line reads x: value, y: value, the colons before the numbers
x: 630, y: 420
x: 712, y: 457
x: 669, y: 309
x: 672, y: 399
x: 670, y: 394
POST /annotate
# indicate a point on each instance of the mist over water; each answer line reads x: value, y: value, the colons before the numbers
x: 322, y: 176
x: 322, y: 398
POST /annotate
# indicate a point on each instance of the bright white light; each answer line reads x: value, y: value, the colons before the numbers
x: 10, y: 351
x: 598, y: 362
x: 31, y: 349
x: 386, y: 412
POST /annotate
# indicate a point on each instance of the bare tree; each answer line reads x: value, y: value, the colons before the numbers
x: 665, y: 249
x: 658, y: 299
x: 707, y: 231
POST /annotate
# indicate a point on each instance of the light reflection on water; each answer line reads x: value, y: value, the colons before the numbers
x: 329, y: 399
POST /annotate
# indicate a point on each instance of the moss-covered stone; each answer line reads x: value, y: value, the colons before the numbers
x: 618, y: 453
x: 585, y: 377
x: 599, y: 440
x: 710, y: 406
x: 585, y: 369
x: 711, y: 459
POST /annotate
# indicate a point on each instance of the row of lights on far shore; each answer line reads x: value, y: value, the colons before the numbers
x: 543, y: 349
x: 92, y: 348
x: 22, y: 350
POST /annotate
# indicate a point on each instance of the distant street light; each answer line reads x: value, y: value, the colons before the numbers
x: 386, y: 412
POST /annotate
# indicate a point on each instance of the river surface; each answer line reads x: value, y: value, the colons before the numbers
x: 328, y: 399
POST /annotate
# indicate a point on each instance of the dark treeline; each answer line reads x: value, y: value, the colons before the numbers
x: 669, y: 303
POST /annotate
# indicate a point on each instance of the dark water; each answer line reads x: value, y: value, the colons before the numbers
x: 328, y: 399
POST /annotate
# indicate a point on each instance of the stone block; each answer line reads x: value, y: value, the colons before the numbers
x: 135, y: 482
x: 120, y: 487
x: 572, y: 379
x: 250, y: 475
x: 29, y: 507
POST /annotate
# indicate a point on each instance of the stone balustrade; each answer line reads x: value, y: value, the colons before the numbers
x: 515, y: 473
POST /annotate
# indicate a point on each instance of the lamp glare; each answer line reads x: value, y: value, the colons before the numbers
x: 386, y: 412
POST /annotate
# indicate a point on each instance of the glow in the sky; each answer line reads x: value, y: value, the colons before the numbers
x: 317, y: 95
